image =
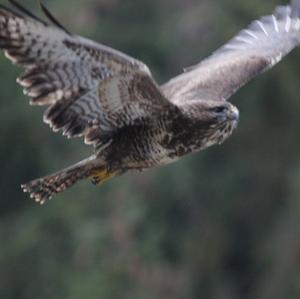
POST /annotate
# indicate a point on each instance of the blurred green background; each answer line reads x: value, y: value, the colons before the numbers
x: 222, y: 224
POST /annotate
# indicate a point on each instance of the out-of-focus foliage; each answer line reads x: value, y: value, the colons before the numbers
x: 222, y: 224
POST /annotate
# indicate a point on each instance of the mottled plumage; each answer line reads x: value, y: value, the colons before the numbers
x: 112, y: 100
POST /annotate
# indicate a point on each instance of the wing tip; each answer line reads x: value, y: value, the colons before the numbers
x: 9, y: 10
x: 21, y: 11
x: 51, y: 18
x: 24, y: 11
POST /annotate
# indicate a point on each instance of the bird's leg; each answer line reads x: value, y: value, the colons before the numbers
x: 100, y: 175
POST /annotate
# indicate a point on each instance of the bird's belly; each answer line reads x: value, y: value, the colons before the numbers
x: 155, y: 155
x: 149, y: 148
x: 164, y: 156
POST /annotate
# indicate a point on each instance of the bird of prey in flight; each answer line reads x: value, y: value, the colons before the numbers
x: 112, y: 100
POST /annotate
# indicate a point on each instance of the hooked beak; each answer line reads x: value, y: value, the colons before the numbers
x: 233, y: 113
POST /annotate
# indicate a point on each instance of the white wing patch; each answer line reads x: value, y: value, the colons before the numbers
x: 261, y: 25
x: 288, y: 24
x: 251, y: 33
x: 297, y: 25
x: 245, y: 40
x: 275, y: 24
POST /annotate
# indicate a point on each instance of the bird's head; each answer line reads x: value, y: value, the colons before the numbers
x: 225, y: 118
x: 217, y: 120
x: 223, y: 112
x: 215, y: 113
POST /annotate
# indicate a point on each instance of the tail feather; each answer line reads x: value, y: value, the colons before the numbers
x: 45, y: 188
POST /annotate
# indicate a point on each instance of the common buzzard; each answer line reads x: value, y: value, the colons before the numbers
x: 112, y: 100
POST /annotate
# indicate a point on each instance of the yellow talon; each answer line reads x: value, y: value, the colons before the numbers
x: 99, y: 176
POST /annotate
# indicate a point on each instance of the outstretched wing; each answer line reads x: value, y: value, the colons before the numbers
x: 66, y: 72
x: 259, y: 47
x: 121, y: 100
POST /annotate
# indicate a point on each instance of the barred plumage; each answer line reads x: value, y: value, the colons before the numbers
x: 112, y: 100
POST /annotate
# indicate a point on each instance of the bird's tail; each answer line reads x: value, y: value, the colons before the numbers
x: 45, y: 188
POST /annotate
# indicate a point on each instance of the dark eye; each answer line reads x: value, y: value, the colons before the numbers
x: 219, y: 109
